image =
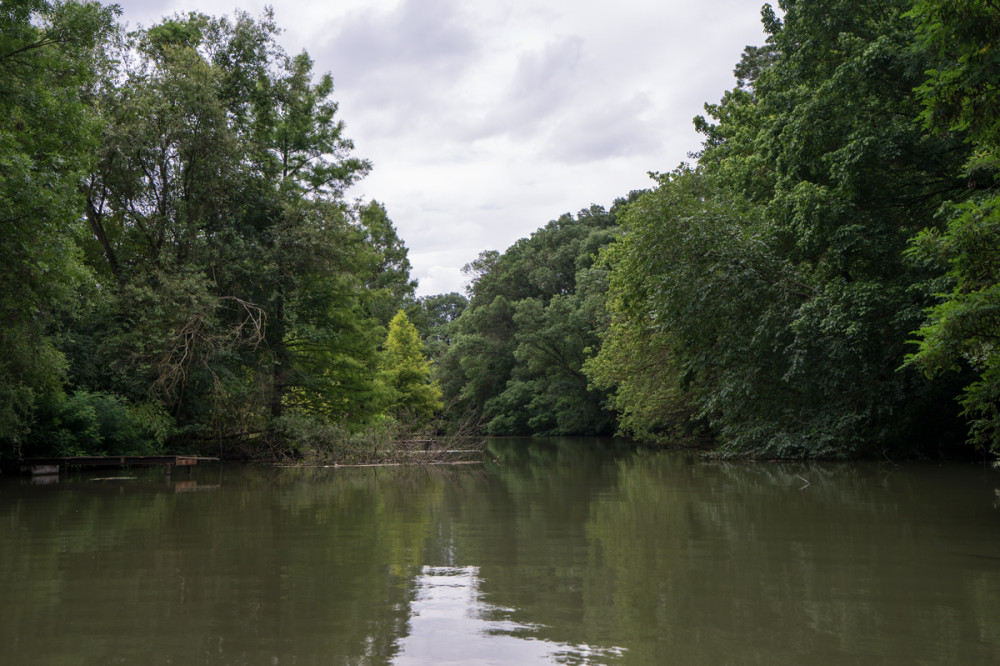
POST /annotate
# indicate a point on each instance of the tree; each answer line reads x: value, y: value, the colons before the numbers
x: 698, y: 301
x: 515, y: 362
x: 774, y: 271
x: 405, y: 375
x: 303, y: 166
x: 236, y: 269
x: 964, y: 328
x: 387, y: 278
x: 50, y: 56
x: 435, y: 317
x: 961, y: 97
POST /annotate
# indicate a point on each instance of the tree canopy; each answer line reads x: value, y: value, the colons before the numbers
x: 774, y: 275
x: 185, y: 233
x: 820, y: 283
x: 515, y: 360
x: 409, y: 392
x: 50, y: 60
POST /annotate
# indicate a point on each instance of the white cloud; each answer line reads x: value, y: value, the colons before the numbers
x: 442, y: 280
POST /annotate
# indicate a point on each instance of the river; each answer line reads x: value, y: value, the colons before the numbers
x: 567, y: 551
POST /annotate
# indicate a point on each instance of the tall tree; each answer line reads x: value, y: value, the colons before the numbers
x: 387, y: 278
x: 219, y: 222
x: 962, y: 97
x: 50, y: 56
x: 775, y: 271
x: 515, y: 363
x: 161, y: 205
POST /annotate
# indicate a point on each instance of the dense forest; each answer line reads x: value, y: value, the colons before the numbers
x: 180, y: 265
x: 181, y: 268
x: 821, y: 282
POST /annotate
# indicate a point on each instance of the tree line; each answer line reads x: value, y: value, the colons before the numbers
x: 821, y: 281
x: 180, y: 266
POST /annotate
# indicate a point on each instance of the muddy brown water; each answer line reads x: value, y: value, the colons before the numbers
x: 573, y: 551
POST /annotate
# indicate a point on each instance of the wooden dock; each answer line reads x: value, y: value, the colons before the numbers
x: 44, y: 466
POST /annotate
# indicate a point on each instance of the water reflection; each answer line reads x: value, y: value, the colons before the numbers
x: 451, y: 624
x: 551, y: 552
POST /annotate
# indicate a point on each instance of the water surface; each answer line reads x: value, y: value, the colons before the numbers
x: 553, y: 551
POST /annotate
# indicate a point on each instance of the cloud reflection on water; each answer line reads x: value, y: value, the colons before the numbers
x: 451, y: 624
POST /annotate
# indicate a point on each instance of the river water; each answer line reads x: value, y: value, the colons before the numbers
x: 552, y: 551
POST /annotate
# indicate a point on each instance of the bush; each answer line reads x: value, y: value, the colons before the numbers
x: 316, y: 439
x: 85, y: 423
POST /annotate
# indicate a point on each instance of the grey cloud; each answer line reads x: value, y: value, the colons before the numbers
x: 545, y: 83
x: 605, y: 130
x: 549, y: 70
x: 417, y: 36
x: 399, y: 67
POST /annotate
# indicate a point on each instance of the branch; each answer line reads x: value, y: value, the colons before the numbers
x: 41, y: 43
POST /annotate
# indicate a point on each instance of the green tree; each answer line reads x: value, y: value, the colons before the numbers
x: 329, y: 339
x: 305, y: 165
x: 50, y: 57
x: 961, y: 96
x: 515, y: 362
x: 848, y: 177
x: 405, y: 375
x: 161, y: 207
x: 963, y: 330
x: 435, y: 317
x: 237, y: 271
x: 388, y: 283
x: 774, y: 272
x: 639, y: 362
x: 689, y: 279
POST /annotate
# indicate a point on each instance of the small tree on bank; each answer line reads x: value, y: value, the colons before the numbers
x: 405, y: 375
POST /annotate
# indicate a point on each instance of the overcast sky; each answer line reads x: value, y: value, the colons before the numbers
x: 485, y: 120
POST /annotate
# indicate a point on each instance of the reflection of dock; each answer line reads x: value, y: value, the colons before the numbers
x: 193, y: 487
x: 51, y: 466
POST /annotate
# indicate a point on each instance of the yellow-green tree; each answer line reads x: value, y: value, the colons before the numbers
x: 405, y: 374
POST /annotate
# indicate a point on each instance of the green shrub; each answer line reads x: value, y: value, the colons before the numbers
x: 317, y: 439
x: 85, y: 423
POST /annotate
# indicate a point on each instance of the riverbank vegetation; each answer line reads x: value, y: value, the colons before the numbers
x: 180, y: 266
x: 820, y: 282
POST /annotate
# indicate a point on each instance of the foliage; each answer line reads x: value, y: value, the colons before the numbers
x: 50, y: 56
x: 517, y: 351
x: 963, y: 329
x: 637, y: 368
x: 637, y: 362
x: 387, y: 281
x: 409, y: 393
x: 435, y: 316
x: 98, y: 424
x: 771, y: 278
x: 961, y: 96
x: 696, y: 281
x: 179, y: 263
x: 243, y: 286
x: 962, y: 93
x: 179, y: 237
